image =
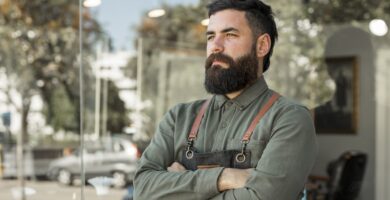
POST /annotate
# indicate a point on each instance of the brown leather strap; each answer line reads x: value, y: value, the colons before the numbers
x: 198, y: 119
x: 248, y: 133
x: 258, y: 117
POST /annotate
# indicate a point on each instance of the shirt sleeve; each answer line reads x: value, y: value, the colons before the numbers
x: 153, y: 181
x: 286, y: 161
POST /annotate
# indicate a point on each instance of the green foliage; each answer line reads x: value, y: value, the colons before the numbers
x: 339, y: 11
x: 117, y: 118
x: 180, y: 26
x: 296, y: 64
x: 42, y: 51
x: 62, y: 108
x: 39, y: 48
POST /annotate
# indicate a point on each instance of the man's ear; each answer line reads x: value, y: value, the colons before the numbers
x: 263, y: 45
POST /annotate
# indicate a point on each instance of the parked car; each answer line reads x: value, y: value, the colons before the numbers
x: 109, y: 157
x: 36, y: 161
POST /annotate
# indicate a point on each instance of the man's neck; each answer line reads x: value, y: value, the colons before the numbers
x: 234, y: 94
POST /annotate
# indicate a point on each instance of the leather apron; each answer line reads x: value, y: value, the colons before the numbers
x: 240, y: 158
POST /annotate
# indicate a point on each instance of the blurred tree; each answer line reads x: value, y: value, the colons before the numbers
x: 39, y: 48
x: 117, y: 118
x: 339, y: 11
x: 296, y: 70
x: 62, y: 110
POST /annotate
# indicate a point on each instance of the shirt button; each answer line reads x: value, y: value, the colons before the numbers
x: 228, y: 105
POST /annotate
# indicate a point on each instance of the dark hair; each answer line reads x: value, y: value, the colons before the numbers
x: 259, y: 15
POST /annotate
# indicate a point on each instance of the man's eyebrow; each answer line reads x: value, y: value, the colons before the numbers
x: 210, y: 32
x: 230, y: 29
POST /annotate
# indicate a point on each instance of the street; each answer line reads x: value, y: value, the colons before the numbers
x: 49, y: 190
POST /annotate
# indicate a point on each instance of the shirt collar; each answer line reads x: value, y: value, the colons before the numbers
x: 246, y: 96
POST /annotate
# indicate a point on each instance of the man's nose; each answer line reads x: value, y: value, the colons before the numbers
x: 217, y: 45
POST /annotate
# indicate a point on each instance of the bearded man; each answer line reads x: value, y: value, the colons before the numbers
x: 247, y: 141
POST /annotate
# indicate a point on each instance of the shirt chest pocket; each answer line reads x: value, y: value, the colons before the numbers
x: 256, y: 148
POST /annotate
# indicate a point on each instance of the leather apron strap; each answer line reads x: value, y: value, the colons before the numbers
x: 248, y: 133
x: 259, y: 116
x: 198, y: 119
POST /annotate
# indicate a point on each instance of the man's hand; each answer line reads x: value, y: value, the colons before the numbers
x: 231, y: 178
x: 176, y: 167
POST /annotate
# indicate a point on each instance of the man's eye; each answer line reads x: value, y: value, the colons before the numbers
x: 230, y: 35
x: 210, y: 37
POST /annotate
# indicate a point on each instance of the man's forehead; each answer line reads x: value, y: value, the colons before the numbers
x: 228, y: 18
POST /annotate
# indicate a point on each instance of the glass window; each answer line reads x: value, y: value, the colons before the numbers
x: 39, y: 124
x: 75, y: 117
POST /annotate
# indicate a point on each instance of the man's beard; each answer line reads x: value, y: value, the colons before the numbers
x: 236, y: 77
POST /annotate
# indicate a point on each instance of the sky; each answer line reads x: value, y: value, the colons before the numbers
x: 119, y: 17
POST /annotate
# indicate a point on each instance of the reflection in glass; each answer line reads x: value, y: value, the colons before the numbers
x: 378, y: 27
x: 40, y: 92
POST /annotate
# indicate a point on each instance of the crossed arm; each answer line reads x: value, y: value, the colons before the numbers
x: 229, y: 179
x: 279, y: 175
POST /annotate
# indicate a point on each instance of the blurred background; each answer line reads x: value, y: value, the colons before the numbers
x: 84, y: 84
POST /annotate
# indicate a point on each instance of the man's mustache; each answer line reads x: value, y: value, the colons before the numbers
x: 219, y: 57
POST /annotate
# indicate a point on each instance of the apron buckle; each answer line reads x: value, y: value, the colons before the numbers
x: 240, y: 157
x: 189, y: 152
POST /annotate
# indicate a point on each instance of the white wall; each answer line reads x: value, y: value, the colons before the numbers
x: 383, y: 125
x: 349, y: 41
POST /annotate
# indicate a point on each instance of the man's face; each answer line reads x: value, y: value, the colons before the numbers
x: 232, y: 63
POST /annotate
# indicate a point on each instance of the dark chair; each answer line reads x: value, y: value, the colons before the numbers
x: 345, y: 177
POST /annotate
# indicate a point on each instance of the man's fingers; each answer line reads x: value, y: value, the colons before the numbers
x: 176, y: 167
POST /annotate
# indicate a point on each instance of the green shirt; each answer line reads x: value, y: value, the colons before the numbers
x: 283, y: 149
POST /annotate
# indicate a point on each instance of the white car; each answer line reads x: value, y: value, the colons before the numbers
x: 109, y: 157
